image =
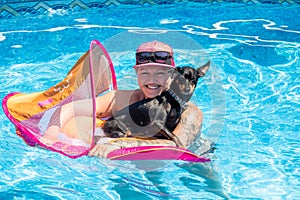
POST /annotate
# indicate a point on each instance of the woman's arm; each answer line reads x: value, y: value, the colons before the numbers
x: 81, y: 108
x: 85, y: 108
x: 189, y: 126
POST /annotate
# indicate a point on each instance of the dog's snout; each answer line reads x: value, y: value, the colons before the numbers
x: 187, y: 88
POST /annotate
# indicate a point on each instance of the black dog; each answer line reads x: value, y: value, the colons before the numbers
x: 157, y: 117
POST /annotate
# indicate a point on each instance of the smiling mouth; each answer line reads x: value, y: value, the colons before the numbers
x: 153, y: 87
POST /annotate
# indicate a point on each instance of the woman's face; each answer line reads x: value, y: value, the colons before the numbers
x: 152, y: 80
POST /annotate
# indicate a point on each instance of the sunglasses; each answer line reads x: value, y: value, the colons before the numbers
x: 161, y: 57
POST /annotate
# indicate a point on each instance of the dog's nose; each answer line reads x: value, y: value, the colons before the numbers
x: 187, y: 87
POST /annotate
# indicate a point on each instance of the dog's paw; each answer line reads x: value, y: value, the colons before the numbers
x: 115, y: 134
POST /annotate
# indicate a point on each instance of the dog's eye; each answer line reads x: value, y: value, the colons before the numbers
x: 194, y: 81
x: 188, y: 76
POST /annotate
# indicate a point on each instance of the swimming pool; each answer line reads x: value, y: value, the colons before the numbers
x: 250, y: 100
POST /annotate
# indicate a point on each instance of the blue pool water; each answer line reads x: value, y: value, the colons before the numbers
x: 250, y: 99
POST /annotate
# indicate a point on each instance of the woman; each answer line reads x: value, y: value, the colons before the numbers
x: 154, y: 62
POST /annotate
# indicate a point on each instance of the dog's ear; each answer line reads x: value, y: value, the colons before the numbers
x: 175, y: 71
x: 201, y: 71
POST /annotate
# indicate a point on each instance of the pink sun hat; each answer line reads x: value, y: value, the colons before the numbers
x: 154, y: 53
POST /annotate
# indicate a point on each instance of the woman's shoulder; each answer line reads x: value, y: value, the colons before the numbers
x: 192, y: 108
x: 191, y: 105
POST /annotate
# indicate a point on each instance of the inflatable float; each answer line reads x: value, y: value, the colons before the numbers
x: 92, y: 75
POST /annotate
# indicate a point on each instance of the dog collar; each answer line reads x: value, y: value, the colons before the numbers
x: 182, y: 103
